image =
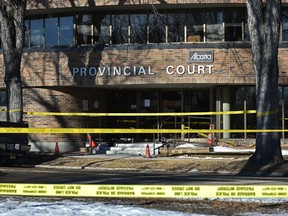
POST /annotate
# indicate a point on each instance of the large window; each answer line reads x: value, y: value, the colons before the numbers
x: 36, y: 33
x: 243, y: 98
x: 176, y: 23
x: 195, y: 26
x: 285, y: 115
x: 120, y: 28
x: 84, y: 29
x: 66, y: 33
x: 214, y: 26
x: 233, y: 25
x: 51, y: 32
x: 285, y: 25
x: 3, y: 104
x: 102, y: 26
x: 138, y: 26
x: 157, y: 27
x: 141, y: 27
x: 246, y: 29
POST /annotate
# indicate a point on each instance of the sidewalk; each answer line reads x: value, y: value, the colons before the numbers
x: 225, y: 164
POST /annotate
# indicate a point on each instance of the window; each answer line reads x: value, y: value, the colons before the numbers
x: 36, y: 30
x: 175, y: 22
x: 84, y: 29
x: 3, y: 104
x: 141, y: 27
x: 284, y: 25
x: 195, y: 23
x: 66, y: 31
x: 246, y: 29
x: 102, y: 25
x: 138, y: 28
x: 3, y: 98
x: 238, y: 97
x: 27, y: 33
x: 51, y: 32
x: 214, y: 26
x: 157, y: 27
x: 233, y: 25
x: 251, y: 105
x: 120, y: 28
x: 285, y: 98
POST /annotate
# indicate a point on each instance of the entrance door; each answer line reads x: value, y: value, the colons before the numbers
x: 197, y: 101
x: 184, y: 101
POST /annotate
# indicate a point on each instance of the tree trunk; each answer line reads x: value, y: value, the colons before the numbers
x: 12, y: 36
x: 263, y: 21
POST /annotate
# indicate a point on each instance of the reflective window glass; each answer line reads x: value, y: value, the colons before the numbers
x: 37, y: 37
x: 51, y: 32
x: 84, y: 29
x: 3, y: 104
x: 284, y: 25
x: 175, y: 22
x: 195, y: 23
x: 214, y: 26
x: 237, y: 99
x: 66, y: 31
x: 285, y: 99
x: 27, y: 33
x: 138, y: 25
x: 246, y: 29
x: 3, y: 98
x: 120, y: 28
x: 233, y: 25
x: 103, y: 27
x: 251, y: 105
x: 157, y: 27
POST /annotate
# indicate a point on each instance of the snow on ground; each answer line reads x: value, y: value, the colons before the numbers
x: 226, y: 149
x: 20, y: 207
x: 16, y: 207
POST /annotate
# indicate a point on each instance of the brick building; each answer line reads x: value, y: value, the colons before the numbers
x: 140, y: 56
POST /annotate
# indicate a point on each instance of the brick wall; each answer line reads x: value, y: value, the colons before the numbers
x: 231, y: 66
x: 50, y: 87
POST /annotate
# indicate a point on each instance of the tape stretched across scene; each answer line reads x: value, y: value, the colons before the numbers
x: 11, y: 130
x: 145, y: 191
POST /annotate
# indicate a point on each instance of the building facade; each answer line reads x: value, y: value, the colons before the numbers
x: 147, y: 56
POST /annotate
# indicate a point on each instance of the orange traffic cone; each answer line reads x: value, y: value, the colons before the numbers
x: 93, y: 144
x: 147, y: 154
x: 89, y: 139
x: 56, y: 149
x: 210, y: 138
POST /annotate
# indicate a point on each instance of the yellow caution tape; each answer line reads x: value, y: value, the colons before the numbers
x: 138, y: 114
x: 127, y: 130
x: 11, y: 110
x: 145, y: 191
x: 267, y: 113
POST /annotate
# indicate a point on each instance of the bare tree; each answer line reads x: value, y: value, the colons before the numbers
x: 12, y: 36
x: 264, y: 21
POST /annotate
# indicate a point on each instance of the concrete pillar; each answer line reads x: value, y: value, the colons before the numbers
x: 226, y: 107
x: 218, y: 109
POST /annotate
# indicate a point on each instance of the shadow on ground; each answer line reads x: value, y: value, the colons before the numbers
x: 253, y: 168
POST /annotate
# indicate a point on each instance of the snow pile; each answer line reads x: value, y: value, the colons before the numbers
x: 226, y: 149
x: 13, y: 207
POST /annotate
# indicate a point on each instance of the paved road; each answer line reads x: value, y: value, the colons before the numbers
x: 57, y: 176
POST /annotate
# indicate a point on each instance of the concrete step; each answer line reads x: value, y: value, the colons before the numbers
x: 133, y: 148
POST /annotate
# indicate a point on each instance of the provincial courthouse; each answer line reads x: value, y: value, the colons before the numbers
x: 141, y: 56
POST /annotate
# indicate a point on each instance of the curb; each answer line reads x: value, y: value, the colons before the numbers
x: 257, y: 174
